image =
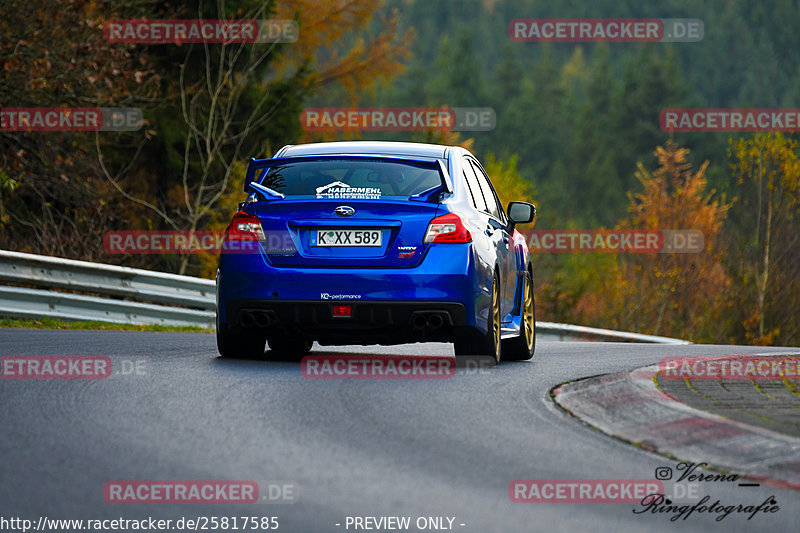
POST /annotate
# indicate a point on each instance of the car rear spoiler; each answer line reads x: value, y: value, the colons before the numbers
x: 259, y: 166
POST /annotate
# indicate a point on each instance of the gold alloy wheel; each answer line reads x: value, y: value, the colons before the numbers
x: 496, y: 318
x: 527, y: 313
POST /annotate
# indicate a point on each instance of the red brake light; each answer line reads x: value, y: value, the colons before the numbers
x: 342, y: 310
x: 448, y: 228
x: 245, y: 227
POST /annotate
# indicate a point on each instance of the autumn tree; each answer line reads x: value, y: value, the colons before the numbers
x: 507, y: 181
x: 673, y: 294
x: 53, y: 54
x: 347, y: 45
x: 228, y: 102
x: 766, y: 236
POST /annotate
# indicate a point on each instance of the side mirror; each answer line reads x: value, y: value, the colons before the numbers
x: 521, y: 212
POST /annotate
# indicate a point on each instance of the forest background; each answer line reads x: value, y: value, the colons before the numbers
x: 577, y: 133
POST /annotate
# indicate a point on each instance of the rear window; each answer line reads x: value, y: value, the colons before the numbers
x: 348, y: 178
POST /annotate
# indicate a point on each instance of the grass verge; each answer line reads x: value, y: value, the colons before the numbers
x: 49, y: 323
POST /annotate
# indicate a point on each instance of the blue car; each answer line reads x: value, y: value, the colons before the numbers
x: 348, y: 243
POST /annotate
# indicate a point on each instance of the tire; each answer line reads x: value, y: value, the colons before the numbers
x: 521, y: 348
x: 488, y: 343
x: 239, y: 344
x: 291, y: 347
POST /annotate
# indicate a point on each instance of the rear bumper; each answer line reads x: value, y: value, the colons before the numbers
x: 299, y: 301
x: 369, y: 322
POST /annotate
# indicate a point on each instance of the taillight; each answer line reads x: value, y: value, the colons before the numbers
x: 245, y: 227
x: 448, y: 228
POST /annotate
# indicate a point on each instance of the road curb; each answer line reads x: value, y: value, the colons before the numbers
x: 629, y: 406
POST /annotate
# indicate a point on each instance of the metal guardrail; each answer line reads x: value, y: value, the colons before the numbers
x: 136, y: 296
x: 166, y: 299
x: 547, y: 331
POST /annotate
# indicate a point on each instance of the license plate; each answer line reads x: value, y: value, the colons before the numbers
x: 349, y: 237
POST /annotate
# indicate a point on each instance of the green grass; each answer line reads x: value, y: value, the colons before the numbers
x: 48, y: 323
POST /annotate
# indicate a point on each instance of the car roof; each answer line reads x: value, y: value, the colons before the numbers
x: 366, y: 148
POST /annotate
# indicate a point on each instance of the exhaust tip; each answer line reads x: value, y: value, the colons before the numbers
x: 435, y: 321
x: 247, y: 319
x: 419, y: 321
x: 262, y: 320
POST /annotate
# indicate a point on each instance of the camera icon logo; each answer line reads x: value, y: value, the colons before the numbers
x: 663, y: 473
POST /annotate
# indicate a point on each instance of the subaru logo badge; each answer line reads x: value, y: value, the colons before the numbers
x: 344, y: 211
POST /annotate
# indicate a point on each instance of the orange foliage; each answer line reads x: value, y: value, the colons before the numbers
x: 333, y: 43
x: 672, y: 294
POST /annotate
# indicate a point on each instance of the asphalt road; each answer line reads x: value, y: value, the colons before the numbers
x: 425, y: 447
